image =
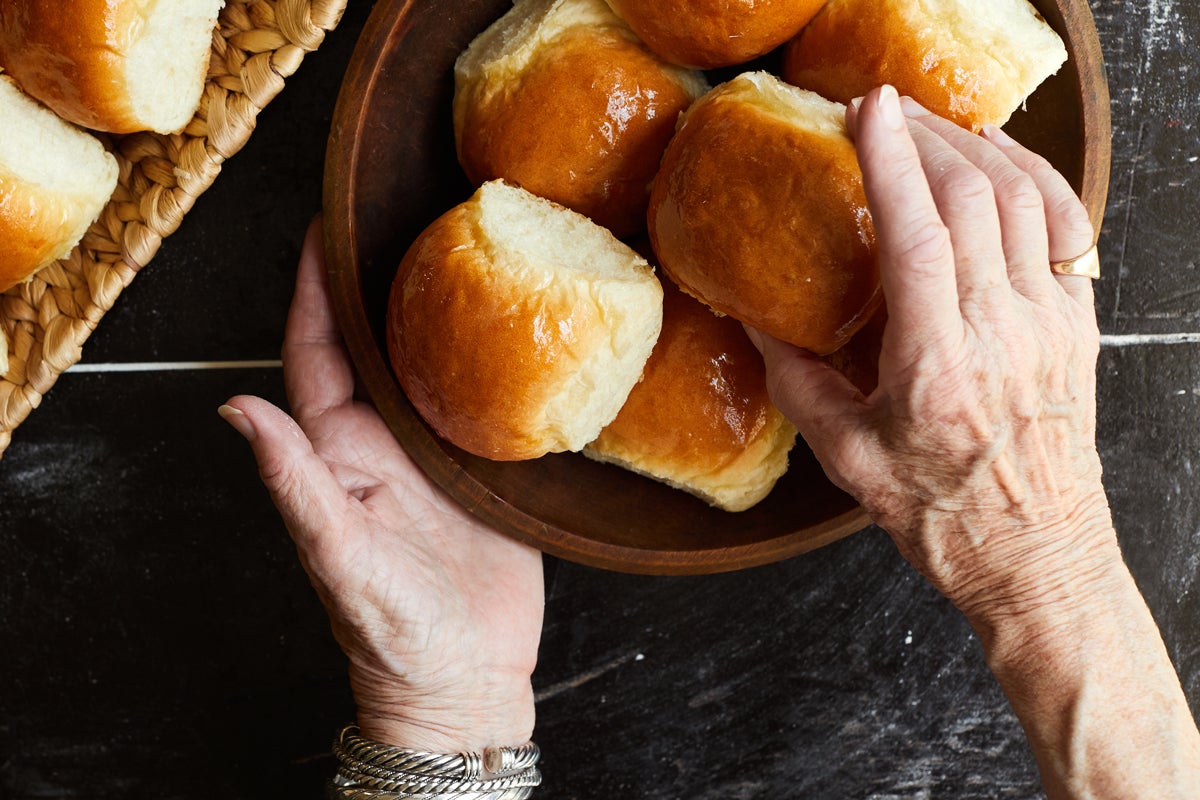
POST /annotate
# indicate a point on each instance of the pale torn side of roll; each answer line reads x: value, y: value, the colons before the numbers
x: 517, y: 327
x: 972, y: 62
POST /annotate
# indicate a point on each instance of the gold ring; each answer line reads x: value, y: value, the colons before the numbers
x: 1086, y: 265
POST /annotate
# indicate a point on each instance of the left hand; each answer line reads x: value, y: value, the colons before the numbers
x: 439, y: 614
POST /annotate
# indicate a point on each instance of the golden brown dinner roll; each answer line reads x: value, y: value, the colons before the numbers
x: 561, y: 98
x: 54, y: 181
x: 701, y: 419
x: 972, y: 62
x: 111, y: 65
x: 715, y: 33
x: 759, y: 212
x: 517, y: 327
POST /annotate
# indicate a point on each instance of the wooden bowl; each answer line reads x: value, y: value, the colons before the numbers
x: 391, y: 169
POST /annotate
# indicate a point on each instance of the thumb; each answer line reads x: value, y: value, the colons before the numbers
x: 826, y: 408
x: 309, y: 498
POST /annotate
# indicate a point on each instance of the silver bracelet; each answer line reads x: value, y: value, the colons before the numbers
x: 372, y: 771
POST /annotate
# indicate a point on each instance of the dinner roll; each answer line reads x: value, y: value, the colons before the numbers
x: 54, y: 181
x: 972, y: 62
x: 517, y: 327
x: 561, y: 98
x: 759, y: 212
x: 111, y: 65
x: 715, y: 33
x: 701, y: 420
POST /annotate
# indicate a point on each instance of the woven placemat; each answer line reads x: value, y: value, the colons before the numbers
x: 257, y: 46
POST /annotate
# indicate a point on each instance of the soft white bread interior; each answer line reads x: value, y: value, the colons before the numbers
x: 167, y: 64
x: 113, y: 65
x: 517, y: 327
x: 54, y: 181
x: 701, y: 419
x: 510, y: 44
x: 561, y: 98
x: 973, y: 62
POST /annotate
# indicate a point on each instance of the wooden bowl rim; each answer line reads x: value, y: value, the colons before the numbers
x: 385, y: 23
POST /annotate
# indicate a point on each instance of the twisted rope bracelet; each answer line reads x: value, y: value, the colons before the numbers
x: 373, y: 771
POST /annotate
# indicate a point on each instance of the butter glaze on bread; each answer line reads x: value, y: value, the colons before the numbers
x: 560, y: 97
x: 111, y: 65
x: 704, y: 34
x: 701, y: 420
x: 54, y: 181
x: 517, y: 327
x: 759, y: 212
x: 972, y: 62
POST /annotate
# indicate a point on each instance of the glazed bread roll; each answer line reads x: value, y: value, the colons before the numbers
x: 715, y: 33
x: 54, y: 181
x: 517, y: 327
x: 701, y: 420
x: 971, y: 61
x: 759, y: 212
x: 561, y: 98
x: 111, y: 65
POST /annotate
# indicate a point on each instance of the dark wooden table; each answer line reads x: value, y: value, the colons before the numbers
x: 158, y: 638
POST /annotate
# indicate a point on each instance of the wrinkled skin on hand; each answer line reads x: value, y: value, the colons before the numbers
x: 976, y: 451
x: 439, y: 615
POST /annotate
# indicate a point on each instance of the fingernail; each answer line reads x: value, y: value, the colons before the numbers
x: 855, y: 103
x: 913, y: 109
x: 889, y: 107
x: 997, y: 136
x: 239, y: 421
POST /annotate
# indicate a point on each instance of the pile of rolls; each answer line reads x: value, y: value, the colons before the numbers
x: 114, y: 66
x: 531, y: 319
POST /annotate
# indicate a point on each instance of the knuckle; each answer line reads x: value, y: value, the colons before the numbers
x: 1034, y: 162
x: 1018, y: 190
x: 965, y: 184
x: 1067, y: 210
x: 1063, y: 206
x: 926, y: 249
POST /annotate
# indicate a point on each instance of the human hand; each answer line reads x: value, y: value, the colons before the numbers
x: 977, y: 450
x: 439, y: 615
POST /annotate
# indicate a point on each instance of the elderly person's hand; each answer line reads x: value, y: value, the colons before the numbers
x: 977, y: 450
x: 439, y: 615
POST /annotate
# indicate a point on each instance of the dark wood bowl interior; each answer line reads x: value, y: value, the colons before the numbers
x: 391, y: 169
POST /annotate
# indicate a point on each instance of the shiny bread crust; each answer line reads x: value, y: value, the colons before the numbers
x: 701, y: 419
x: 759, y: 212
x: 974, y: 63
x: 561, y: 98
x: 705, y: 34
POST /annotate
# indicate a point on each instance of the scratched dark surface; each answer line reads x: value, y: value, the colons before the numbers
x: 158, y: 639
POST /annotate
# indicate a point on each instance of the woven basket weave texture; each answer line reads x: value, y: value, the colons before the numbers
x: 258, y: 44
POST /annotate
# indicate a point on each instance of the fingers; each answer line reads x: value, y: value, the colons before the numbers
x: 316, y: 369
x: 823, y: 404
x: 308, y: 496
x: 1017, y: 203
x: 966, y: 200
x: 994, y: 196
x: 916, y: 260
x: 1068, y: 225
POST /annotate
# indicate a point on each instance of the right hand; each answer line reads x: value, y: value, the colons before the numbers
x: 977, y: 450
x: 439, y: 615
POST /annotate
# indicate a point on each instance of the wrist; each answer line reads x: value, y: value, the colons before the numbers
x: 496, y: 710
x: 1062, y: 601
x: 996, y: 565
